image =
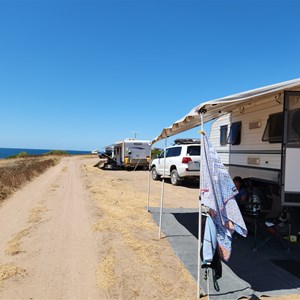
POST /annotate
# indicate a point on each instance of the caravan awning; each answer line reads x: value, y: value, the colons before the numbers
x: 221, y: 106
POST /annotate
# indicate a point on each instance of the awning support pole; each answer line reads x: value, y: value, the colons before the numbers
x: 148, y: 197
x: 162, y: 191
x: 200, y: 210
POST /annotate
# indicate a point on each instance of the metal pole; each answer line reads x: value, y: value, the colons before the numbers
x: 162, y: 190
x: 200, y: 208
x: 148, y: 198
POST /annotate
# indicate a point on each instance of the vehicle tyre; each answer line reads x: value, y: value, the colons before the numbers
x: 155, y: 175
x: 175, y: 179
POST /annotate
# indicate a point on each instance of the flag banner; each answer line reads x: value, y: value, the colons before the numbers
x: 217, y: 192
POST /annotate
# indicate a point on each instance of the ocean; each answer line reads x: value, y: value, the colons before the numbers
x: 6, y: 152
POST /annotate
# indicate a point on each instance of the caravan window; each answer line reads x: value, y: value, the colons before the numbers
x: 234, y: 137
x: 274, y: 129
x: 223, y: 135
x: 293, y: 134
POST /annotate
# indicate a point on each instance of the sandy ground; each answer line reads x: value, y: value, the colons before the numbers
x: 78, y: 232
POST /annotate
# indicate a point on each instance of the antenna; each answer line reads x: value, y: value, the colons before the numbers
x: 135, y: 132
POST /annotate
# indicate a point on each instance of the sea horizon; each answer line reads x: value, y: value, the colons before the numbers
x: 6, y: 152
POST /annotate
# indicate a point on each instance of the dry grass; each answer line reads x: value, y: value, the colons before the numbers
x: 14, y: 245
x: 107, y: 267
x: 65, y: 169
x: 10, y: 270
x: 14, y: 173
x: 35, y: 214
x: 121, y: 212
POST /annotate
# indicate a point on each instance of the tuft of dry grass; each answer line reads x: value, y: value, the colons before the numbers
x: 14, y: 245
x: 35, y: 214
x: 14, y: 173
x: 10, y: 270
x: 65, y: 169
x: 106, y: 277
x: 100, y: 226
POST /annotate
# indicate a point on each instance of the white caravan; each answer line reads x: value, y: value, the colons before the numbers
x: 260, y: 141
x: 132, y: 153
x: 257, y: 134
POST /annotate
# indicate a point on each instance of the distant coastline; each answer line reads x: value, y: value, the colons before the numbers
x: 6, y: 152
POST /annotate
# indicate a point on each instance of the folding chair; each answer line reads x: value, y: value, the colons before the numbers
x: 275, y: 229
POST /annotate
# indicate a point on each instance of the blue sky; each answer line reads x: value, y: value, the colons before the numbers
x: 80, y: 75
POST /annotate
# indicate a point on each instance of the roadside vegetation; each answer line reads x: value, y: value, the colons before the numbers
x: 52, y: 152
x: 155, y: 152
x: 16, y: 172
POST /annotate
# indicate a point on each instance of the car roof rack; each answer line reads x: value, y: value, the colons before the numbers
x: 186, y: 141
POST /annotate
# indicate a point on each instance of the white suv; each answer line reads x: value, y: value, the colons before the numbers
x: 182, y: 161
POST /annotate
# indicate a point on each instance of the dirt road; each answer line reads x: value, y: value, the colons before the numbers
x: 77, y: 232
x: 46, y: 236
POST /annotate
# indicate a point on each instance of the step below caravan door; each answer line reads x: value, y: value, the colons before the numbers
x: 290, y: 192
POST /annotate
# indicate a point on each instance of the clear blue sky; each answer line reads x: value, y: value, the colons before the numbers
x: 80, y: 75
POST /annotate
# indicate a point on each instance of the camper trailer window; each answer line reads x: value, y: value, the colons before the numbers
x: 274, y: 129
x: 234, y: 137
x: 175, y: 151
x: 293, y: 135
x: 223, y: 135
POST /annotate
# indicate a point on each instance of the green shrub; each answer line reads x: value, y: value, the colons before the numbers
x: 22, y: 154
x: 19, y: 155
x: 155, y: 152
x: 56, y: 152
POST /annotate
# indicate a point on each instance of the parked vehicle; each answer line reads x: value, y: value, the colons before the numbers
x: 107, y: 161
x: 260, y: 141
x: 96, y: 151
x: 132, y: 153
x: 182, y: 161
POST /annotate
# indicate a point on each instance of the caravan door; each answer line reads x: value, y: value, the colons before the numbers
x: 290, y: 191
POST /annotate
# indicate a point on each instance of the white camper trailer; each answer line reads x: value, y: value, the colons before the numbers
x: 259, y: 140
x: 257, y: 134
x: 132, y: 153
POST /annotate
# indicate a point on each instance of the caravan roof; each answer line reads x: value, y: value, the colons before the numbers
x: 130, y: 140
